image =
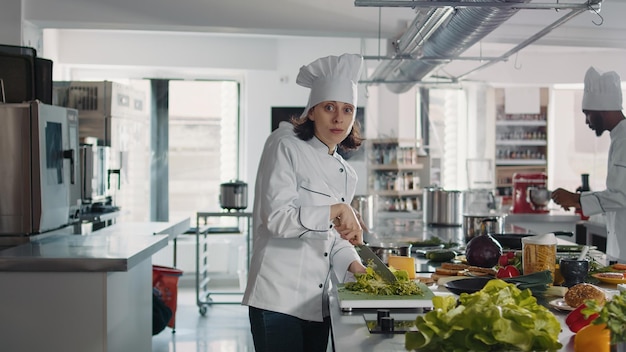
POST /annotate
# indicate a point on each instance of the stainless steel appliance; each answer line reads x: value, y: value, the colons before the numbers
x: 95, y: 172
x: 39, y: 179
x: 117, y: 116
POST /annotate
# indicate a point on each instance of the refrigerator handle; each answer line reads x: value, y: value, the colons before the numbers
x: 69, y: 154
x: 113, y: 171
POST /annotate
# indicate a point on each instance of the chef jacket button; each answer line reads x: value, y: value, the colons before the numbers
x: 321, y: 285
x: 343, y: 199
x: 341, y: 169
x: 325, y: 254
x: 331, y: 226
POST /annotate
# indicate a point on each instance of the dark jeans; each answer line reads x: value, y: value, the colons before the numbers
x: 277, y: 332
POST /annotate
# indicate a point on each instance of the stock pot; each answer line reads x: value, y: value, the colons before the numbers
x: 234, y: 195
x: 441, y: 207
x: 474, y: 225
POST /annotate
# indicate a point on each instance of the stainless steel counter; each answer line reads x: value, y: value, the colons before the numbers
x: 555, y: 220
x: 170, y: 228
x: 73, y: 253
x: 350, y: 332
x: 115, y: 248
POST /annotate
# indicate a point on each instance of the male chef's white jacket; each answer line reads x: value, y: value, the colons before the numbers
x: 295, y: 244
x: 612, y: 201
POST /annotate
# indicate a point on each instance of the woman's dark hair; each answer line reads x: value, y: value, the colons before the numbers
x: 305, y: 130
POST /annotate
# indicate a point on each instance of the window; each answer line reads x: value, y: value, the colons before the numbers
x: 203, y: 144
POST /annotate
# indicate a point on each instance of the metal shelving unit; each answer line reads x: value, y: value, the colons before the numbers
x: 203, y: 294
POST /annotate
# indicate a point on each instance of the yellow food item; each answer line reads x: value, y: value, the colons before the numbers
x: 403, y: 263
x: 593, y: 338
x: 537, y: 258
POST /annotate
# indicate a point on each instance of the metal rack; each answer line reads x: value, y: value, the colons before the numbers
x: 203, y: 295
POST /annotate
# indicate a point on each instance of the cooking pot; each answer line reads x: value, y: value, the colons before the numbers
x: 474, y: 225
x: 384, y: 250
x: 234, y: 195
x: 365, y: 205
x: 442, y: 207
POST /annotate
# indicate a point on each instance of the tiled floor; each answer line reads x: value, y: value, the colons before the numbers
x: 224, y: 328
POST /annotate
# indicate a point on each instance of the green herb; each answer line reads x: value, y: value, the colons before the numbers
x: 612, y: 313
x: 500, y: 317
x: 370, y: 282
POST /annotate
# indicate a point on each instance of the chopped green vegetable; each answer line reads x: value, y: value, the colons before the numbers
x: 440, y: 255
x: 370, y: 282
x: 499, y: 317
x: 613, y: 314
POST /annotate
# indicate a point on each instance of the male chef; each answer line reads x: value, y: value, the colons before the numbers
x: 602, y: 106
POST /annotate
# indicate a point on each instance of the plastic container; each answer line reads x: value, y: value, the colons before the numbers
x: 165, y: 279
x: 539, y: 253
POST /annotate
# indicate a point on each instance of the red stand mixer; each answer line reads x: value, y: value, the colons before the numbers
x: 523, y: 185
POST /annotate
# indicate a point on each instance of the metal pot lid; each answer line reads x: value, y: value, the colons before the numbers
x: 234, y: 183
x: 389, y: 245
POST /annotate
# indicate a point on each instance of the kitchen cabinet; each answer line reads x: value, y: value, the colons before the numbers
x: 78, y: 293
x: 521, y: 141
x: 396, y: 172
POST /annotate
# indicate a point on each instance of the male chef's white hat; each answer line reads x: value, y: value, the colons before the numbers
x: 603, y: 91
x: 331, y: 78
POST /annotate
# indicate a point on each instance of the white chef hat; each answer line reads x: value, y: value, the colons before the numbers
x: 603, y: 91
x: 331, y: 78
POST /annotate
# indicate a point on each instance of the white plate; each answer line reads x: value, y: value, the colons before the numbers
x: 560, y: 304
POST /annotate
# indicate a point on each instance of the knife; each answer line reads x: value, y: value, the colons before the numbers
x: 368, y: 256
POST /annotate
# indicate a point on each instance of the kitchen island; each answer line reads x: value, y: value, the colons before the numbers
x: 350, y: 333
x: 75, y: 293
x: 555, y: 220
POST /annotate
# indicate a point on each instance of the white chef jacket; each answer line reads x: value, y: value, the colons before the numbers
x: 295, y: 244
x: 612, y: 201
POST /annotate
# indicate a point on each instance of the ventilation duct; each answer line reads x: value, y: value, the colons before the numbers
x: 458, y: 30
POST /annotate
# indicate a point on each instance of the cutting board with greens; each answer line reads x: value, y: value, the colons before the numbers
x: 355, y: 299
x: 370, y: 290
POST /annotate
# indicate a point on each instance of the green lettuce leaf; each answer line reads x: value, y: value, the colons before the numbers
x: 500, y: 317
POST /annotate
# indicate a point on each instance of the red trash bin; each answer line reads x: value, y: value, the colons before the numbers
x: 165, y: 280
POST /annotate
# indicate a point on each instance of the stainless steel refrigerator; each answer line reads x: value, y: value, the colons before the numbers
x: 117, y: 116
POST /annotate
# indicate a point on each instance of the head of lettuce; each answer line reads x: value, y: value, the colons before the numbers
x: 500, y: 317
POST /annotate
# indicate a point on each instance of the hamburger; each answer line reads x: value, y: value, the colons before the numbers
x: 578, y: 294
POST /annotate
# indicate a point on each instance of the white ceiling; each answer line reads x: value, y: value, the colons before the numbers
x: 307, y: 17
x: 326, y: 18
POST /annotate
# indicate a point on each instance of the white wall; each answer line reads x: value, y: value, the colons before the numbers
x: 267, y: 68
x: 574, y: 149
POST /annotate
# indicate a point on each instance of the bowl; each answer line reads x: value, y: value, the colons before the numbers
x: 539, y: 196
x: 574, y: 271
x: 384, y: 250
x: 470, y: 285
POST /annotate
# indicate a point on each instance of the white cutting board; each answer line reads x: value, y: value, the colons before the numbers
x: 355, y: 300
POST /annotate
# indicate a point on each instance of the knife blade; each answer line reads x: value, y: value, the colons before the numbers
x: 379, y: 267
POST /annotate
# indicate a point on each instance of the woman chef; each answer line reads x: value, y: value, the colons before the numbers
x: 602, y: 106
x: 303, y: 223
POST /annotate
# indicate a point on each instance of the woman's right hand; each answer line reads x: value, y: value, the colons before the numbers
x: 347, y: 223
